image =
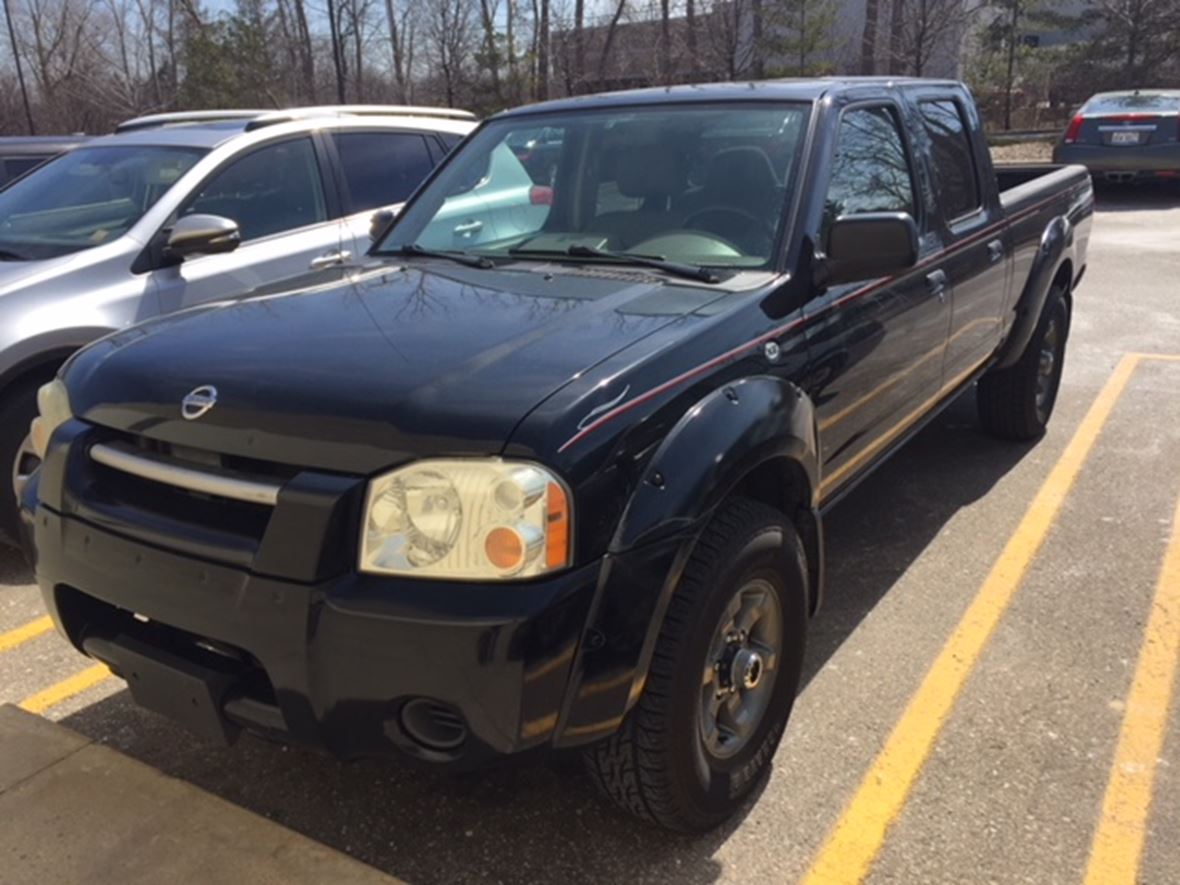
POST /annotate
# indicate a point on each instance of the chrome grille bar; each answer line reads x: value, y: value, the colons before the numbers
x: 223, y: 485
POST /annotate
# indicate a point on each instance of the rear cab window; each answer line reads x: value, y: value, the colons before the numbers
x: 956, y: 178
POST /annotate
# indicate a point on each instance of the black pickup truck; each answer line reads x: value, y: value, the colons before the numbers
x: 548, y: 469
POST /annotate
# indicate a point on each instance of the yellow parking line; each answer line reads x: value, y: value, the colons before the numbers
x: 31, y: 630
x: 1167, y: 357
x: 1118, y: 843
x: 850, y: 848
x: 66, y: 689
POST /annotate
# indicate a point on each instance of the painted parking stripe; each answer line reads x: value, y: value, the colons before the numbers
x: 1118, y: 842
x: 66, y: 689
x: 850, y: 848
x: 24, y: 633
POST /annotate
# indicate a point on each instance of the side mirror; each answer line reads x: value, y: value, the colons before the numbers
x: 870, y: 245
x: 380, y: 220
x: 202, y: 235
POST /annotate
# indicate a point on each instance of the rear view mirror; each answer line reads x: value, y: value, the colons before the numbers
x: 870, y: 245
x: 203, y: 235
x: 380, y: 220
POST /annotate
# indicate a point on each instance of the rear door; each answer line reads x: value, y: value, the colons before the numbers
x: 876, y: 345
x: 288, y: 217
x: 378, y: 169
x: 969, y: 221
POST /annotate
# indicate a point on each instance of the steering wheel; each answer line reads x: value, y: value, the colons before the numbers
x: 753, y: 233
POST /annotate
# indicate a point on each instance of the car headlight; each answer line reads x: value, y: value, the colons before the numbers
x: 53, y: 407
x: 467, y: 520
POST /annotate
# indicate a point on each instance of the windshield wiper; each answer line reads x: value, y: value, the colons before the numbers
x: 466, y: 258
x: 676, y: 268
x: 9, y: 255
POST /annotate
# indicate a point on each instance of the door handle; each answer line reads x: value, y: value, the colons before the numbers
x: 470, y: 227
x: 995, y: 251
x: 330, y: 259
x: 936, y: 282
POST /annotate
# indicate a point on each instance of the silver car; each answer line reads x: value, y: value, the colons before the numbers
x: 1125, y: 136
x: 178, y: 209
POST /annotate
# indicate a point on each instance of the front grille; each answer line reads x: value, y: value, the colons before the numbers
x: 175, y: 497
x: 274, y: 519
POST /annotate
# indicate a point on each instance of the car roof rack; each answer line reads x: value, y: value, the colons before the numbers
x: 256, y: 119
x: 175, y: 118
x: 270, y: 118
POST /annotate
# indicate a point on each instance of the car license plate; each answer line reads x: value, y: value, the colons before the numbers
x: 1124, y: 138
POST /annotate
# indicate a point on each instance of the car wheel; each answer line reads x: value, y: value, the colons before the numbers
x: 722, y: 680
x: 17, y: 411
x: 1016, y: 403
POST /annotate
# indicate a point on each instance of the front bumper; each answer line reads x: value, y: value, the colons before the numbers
x: 330, y: 665
x: 223, y: 636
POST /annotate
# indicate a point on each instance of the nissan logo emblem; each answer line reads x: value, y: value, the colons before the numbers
x: 197, y: 403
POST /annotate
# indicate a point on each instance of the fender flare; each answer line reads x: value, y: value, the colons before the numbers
x: 714, y: 447
x: 1055, y: 248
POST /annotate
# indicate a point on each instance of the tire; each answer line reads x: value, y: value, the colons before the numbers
x: 17, y: 410
x: 1016, y: 403
x: 664, y: 765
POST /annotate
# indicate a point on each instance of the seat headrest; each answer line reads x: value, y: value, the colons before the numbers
x: 740, y: 173
x: 646, y: 171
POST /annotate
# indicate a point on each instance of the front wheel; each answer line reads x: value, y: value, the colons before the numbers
x: 16, y: 453
x: 1016, y: 403
x: 722, y: 680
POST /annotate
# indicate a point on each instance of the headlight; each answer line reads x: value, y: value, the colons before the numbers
x: 467, y: 520
x: 53, y: 407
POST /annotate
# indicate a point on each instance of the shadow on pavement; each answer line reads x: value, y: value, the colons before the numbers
x: 14, y: 570
x: 542, y: 822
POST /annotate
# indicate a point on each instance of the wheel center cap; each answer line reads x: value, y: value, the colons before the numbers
x: 747, y: 669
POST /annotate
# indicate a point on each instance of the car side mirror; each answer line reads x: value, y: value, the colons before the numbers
x: 870, y: 245
x: 202, y: 235
x: 380, y: 220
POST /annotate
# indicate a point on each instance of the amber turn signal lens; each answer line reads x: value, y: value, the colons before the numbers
x: 504, y: 548
x: 557, y: 534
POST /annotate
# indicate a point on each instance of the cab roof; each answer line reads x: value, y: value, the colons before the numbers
x: 808, y: 89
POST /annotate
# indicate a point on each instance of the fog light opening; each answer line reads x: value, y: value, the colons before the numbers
x: 433, y: 724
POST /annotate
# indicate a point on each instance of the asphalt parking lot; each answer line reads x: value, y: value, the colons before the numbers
x: 986, y: 688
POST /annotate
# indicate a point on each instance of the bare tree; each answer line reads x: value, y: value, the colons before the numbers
x: 449, y: 31
x: 1140, y: 36
x: 20, y: 73
x: 868, y: 43
x: 923, y: 30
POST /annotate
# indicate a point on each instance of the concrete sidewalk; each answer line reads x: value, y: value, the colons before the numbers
x: 75, y: 811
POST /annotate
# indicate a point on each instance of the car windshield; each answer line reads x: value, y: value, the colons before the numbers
x: 86, y: 197
x: 700, y: 185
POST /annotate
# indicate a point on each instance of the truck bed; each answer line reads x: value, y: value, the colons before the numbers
x: 1023, y: 184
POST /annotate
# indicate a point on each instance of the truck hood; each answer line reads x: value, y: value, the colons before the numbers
x: 391, y: 364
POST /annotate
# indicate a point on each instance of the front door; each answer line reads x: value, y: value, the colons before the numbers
x: 276, y: 195
x: 876, y: 346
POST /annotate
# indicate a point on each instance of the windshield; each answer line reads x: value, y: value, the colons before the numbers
x: 86, y: 197
x: 696, y: 184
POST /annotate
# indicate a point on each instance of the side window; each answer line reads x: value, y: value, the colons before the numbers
x: 950, y: 151
x: 449, y: 140
x: 870, y: 171
x: 15, y: 167
x: 381, y: 168
x: 273, y: 189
